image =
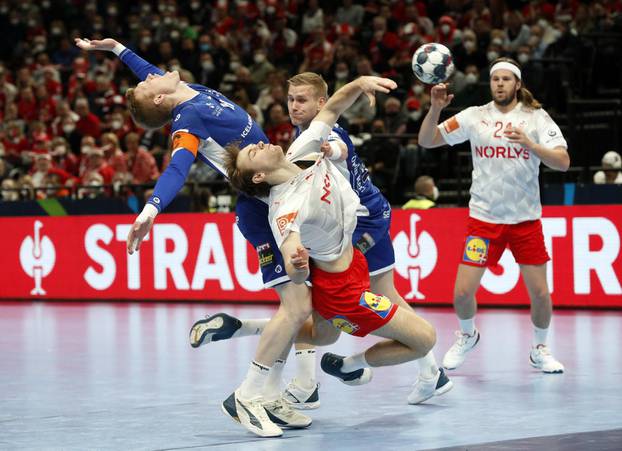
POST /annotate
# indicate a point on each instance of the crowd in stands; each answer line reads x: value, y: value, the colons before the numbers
x: 65, y: 129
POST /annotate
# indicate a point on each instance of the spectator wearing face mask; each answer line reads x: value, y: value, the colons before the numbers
x: 469, y: 52
x: 260, y: 68
x: 611, y: 173
x: 426, y: 194
x: 446, y: 32
x: 517, y: 31
x: 342, y: 76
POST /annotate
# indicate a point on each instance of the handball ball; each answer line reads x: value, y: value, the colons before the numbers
x: 432, y: 63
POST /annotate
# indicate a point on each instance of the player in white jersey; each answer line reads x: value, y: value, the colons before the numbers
x: 312, y: 213
x: 510, y: 137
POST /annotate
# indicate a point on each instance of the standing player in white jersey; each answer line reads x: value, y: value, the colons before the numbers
x: 313, y: 214
x: 510, y: 137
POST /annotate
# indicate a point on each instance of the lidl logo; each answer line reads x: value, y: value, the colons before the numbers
x: 476, y: 250
x: 380, y: 305
x: 342, y: 323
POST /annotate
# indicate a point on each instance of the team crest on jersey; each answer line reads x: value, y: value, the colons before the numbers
x: 476, y: 250
x: 283, y: 221
x: 380, y: 305
x: 343, y: 324
x: 451, y: 124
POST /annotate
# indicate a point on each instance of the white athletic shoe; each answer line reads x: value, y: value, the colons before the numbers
x: 540, y: 357
x: 282, y: 414
x: 457, y: 353
x: 424, y: 389
x: 251, y: 414
x: 302, y: 398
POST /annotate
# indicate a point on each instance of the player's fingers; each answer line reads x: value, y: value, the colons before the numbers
x: 372, y: 98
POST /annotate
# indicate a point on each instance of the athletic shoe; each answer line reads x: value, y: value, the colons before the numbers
x: 457, y: 353
x: 424, y: 389
x: 213, y: 328
x: 332, y: 363
x: 250, y: 414
x: 301, y: 398
x: 282, y: 414
x: 540, y: 357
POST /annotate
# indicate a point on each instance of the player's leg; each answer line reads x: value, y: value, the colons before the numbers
x: 483, y: 247
x: 380, y: 260
x: 468, y: 280
x: 527, y: 245
x: 541, y: 311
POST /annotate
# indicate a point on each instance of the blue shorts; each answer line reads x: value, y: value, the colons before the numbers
x: 252, y: 220
x: 371, y: 237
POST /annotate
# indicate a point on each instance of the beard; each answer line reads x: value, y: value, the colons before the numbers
x: 506, y: 101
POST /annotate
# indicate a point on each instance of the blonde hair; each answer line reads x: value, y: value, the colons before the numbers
x: 145, y: 113
x: 523, y: 95
x: 310, y: 79
x: 242, y: 179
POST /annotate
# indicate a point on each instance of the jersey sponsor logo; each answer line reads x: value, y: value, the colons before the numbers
x: 552, y: 133
x: 344, y: 324
x: 511, y: 153
x: 326, y: 190
x: 476, y: 250
x: 451, y: 124
x: 156, y: 200
x: 380, y: 305
x: 283, y: 221
x: 186, y: 141
x: 265, y: 254
x: 177, y: 117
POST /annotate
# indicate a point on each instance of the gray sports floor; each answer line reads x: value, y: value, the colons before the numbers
x: 123, y: 376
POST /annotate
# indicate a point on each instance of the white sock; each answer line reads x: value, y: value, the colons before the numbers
x: 428, y: 366
x: 539, y: 336
x: 305, y: 368
x: 254, y: 382
x: 272, y: 389
x: 354, y: 362
x: 251, y: 327
x: 467, y: 326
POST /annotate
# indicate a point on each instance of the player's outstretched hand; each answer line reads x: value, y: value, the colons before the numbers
x: 370, y: 85
x: 439, y: 98
x: 103, y: 44
x: 300, y: 259
x: 139, y: 231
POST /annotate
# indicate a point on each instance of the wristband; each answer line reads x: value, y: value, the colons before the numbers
x: 149, y: 212
x: 335, y: 151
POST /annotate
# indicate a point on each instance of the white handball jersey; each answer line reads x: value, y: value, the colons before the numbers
x: 504, y: 188
x: 318, y: 203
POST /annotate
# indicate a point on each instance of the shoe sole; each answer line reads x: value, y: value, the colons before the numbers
x: 470, y: 349
x: 209, y: 330
x: 538, y: 367
x: 284, y: 424
x: 363, y: 379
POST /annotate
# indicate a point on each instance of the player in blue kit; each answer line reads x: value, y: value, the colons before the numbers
x: 203, y: 122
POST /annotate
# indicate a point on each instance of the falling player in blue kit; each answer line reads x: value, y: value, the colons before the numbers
x: 203, y: 122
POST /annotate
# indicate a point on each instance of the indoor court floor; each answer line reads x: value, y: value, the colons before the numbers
x: 122, y: 376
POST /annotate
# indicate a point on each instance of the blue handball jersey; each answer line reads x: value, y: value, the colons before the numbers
x: 216, y: 121
x: 201, y: 128
x: 355, y: 171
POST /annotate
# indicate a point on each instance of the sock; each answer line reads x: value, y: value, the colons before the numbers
x: 305, y: 368
x: 467, y: 326
x: 539, y: 336
x: 354, y: 362
x: 428, y: 366
x: 251, y: 327
x: 272, y: 389
x: 254, y: 382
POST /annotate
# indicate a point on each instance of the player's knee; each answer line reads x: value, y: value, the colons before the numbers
x: 540, y: 294
x: 462, y: 294
x: 428, y: 338
x: 325, y: 336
